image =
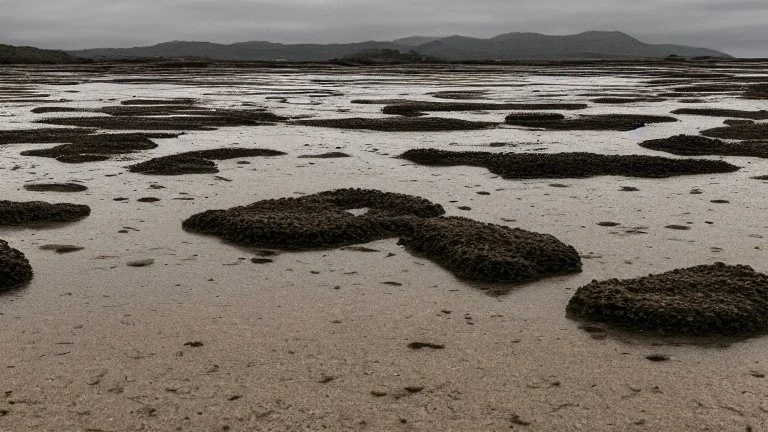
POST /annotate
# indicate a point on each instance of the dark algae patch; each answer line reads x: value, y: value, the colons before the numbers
x: 692, y: 145
x: 721, y: 112
x: 745, y: 130
x: 98, y: 147
x: 196, y: 162
x: 615, y: 122
x: 55, y: 187
x: 421, y: 345
x: 15, y: 269
x: 412, y: 109
x: 472, y: 250
x: 399, y: 124
x: 490, y: 253
x: 18, y: 213
x: 329, y: 155
x: 315, y: 221
x: 715, y: 299
x: 568, y: 165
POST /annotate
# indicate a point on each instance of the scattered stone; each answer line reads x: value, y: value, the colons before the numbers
x: 141, y: 263
x: 392, y: 283
x: 120, y: 199
x: 608, y: 224
x: 195, y: 344
x: 55, y: 187
x: 378, y: 393
x: 359, y: 249
x: 465, y: 208
x: 558, y: 185
x: 628, y: 189
x: 719, y: 201
x: 708, y: 299
x: 148, y: 199
x: 678, y: 227
x: 261, y: 260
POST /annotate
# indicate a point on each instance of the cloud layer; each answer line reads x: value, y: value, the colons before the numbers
x: 736, y: 27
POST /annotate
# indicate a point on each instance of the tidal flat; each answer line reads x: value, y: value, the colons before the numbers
x: 431, y: 297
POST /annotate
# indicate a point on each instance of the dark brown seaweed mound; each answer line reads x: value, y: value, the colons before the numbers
x: 534, y: 118
x: 616, y: 122
x: 568, y: 165
x: 315, y: 221
x: 88, y: 148
x: 42, y: 136
x: 716, y: 299
x: 739, y: 131
x: 18, y: 213
x: 145, y: 118
x: 329, y: 155
x: 196, y: 162
x: 459, y: 94
x: 757, y: 91
x: 14, y: 267
x: 691, y: 145
x: 415, y: 106
x: 720, y: 112
x: 626, y: 100
x: 178, y: 164
x: 491, y: 253
x: 55, y: 187
x: 399, y: 124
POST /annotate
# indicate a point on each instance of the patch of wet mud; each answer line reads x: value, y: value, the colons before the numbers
x: 568, y: 165
x: 716, y: 299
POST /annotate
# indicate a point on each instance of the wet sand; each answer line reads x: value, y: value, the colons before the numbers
x: 202, y: 338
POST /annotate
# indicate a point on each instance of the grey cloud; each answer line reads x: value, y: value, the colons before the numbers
x: 736, y: 26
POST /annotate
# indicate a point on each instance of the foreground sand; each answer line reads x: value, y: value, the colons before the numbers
x: 203, y: 339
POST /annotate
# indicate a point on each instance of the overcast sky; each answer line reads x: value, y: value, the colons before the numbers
x: 738, y: 27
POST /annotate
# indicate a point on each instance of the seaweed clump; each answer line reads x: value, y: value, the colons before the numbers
x: 470, y: 249
x: 55, y: 187
x: 15, y: 269
x: 18, y: 213
x: 491, y: 253
x: 615, y: 122
x: 568, y: 165
x: 721, y: 112
x: 98, y: 147
x: 742, y: 130
x: 315, y: 221
x: 716, y: 299
x: 196, y: 162
x: 691, y: 145
x: 399, y: 124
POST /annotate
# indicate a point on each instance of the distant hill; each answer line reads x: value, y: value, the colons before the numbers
x: 509, y: 46
x: 10, y: 54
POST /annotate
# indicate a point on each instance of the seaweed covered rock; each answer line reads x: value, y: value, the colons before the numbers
x: 315, y: 221
x: 42, y: 136
x: 533, y: 118
x: 196, y: 162
x: 691, y: 145
x: 55, y: 187
x: 490, y: 253
x: 18, y: 213
x: 97, y: 147
x: 615, y: 122
x: 399, y: 124
x: 739, y: 131
x: 568, y: 165
x: 716, y: 299
x: 178, y: 164
x: 721, y: 112
x: 15, y: 269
